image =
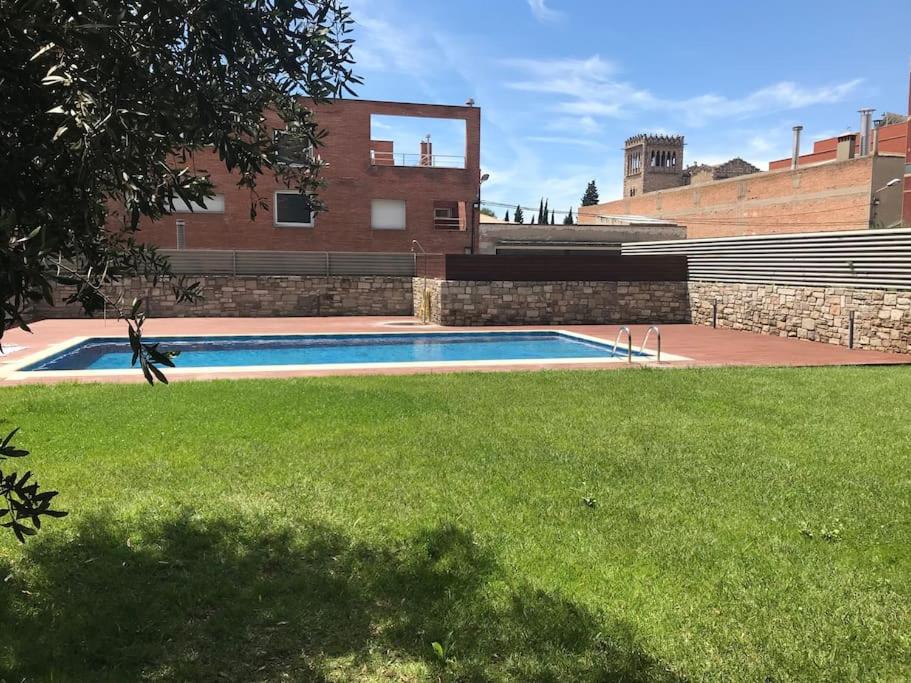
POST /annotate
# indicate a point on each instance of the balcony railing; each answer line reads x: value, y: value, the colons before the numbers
x: 451, y: 223
x: 416, y: 160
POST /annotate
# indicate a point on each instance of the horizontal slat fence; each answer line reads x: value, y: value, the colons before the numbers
x: 876, y: 259
x: 219, y: 262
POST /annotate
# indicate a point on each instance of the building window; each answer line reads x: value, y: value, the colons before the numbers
x: 181, y: 235
x: 387, y: 214
x: 214, y: 204
x: 448, y: 215
x: 292, y: 209
x: 292, y: 151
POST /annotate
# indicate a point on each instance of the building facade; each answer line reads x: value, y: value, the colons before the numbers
x: 652, y: 162
x: 836, y: 195
x: 655, y: 162
x: 377, y: 198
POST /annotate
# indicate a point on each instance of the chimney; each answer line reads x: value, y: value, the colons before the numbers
x: 795, y: 151
x: 846, y: 147
x: 866, y: 122
x: 426, y: 152
x: 874, y: 146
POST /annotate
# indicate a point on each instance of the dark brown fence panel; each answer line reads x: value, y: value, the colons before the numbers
x: 543, y: 267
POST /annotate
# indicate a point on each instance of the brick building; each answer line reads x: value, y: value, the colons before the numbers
x: 848, y: 182
x: 699, y: 174
x: 377, y: 198
x: 888, y: 139
x: 835, y: 195
x: 655, y: 162
x: 906, y: 210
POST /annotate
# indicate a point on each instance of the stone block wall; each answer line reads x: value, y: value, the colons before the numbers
x: 265, y: 295
x: 882, y: 319
x: 505, y: 302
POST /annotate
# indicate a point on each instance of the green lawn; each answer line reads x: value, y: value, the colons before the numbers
x: 746, y: 524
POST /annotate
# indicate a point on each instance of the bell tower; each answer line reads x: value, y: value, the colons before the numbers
x: 652, y: 162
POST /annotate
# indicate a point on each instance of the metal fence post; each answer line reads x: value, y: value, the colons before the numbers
x: 850, y: 329
x: 715, y: 313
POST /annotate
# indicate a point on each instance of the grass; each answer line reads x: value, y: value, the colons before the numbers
x: 736, y: 524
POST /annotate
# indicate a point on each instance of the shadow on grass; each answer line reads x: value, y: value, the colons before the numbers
x: 204, y: 600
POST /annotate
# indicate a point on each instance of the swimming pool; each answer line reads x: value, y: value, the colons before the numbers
x: 340, y: 350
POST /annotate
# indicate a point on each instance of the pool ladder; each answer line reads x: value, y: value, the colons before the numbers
x: 653, y: 328
x: 629, y: 342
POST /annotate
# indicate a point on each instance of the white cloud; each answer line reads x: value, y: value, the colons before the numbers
x: 562, y: 140
x: 542, y: 12
x: 591, y: 88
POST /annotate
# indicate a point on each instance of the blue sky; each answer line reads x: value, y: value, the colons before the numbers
x: 562, y: 83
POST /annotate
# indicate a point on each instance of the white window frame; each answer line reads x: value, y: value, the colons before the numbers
x: 404, y: 204
x: 218, y: 200
x: 287, y: 224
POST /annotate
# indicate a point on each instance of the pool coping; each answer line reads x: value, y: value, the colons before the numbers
x: 16, y: 369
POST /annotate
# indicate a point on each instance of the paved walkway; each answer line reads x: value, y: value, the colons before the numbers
x: 703, y: 346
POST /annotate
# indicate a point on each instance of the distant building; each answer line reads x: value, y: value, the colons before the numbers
x: 888, y: 138
x: 501, y: 237
x: 655, y: 162
x: 652, y: 162
x: 698, y: 174
x: 854, y: 181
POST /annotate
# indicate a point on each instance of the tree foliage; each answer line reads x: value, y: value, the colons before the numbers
x: 519, y: 215
x: 590, y: 198
x: 105, y: 102
x: 568, y: 218
x: 21, y: 503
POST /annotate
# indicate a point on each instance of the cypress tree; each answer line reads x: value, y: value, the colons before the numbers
x: 540, y: 218
x: 568, y: 218
x: 506, y: 217
x: 553, y: 219
x: 545, y: 215
x: 519, y: 216
x: 590, y: 198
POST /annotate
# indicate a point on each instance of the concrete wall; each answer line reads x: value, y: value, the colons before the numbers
x: 265, y: 295
x: 504, y: 302
x: 830, y: 196
x: 882, y: 319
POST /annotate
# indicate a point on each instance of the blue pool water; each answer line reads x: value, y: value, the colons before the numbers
x: 105, y: 353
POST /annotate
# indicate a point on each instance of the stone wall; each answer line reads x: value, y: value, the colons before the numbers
x: 265, y: 295
x: 882, y: 319
x: 504, y: 302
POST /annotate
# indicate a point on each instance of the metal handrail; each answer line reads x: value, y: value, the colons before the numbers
x: 379, y: 158
x: 657, y: 336
x: 629, y: 342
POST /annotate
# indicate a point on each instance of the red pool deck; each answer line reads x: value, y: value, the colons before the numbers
x: 702, y: 346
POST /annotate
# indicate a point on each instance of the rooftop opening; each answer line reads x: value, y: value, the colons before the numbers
x: 417, y: 141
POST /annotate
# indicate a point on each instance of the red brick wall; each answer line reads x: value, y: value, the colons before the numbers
x: 906, y: 205
x: 892, y: 140
x: 352, y: 182
x: 832, y: 196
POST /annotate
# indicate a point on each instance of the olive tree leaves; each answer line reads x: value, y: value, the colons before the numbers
x: 22, y: 503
